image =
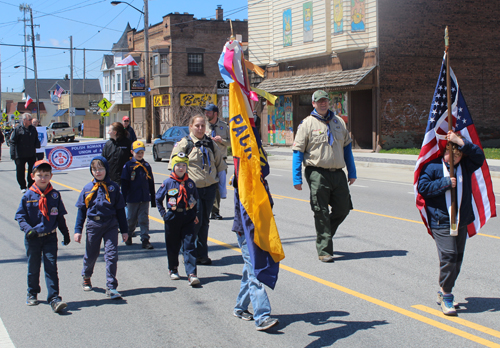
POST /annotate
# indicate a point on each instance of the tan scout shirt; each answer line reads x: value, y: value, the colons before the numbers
x: 312, y: 140
x: 221, y: 129
x: 199, y: 173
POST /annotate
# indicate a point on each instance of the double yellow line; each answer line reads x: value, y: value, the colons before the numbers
x: 373, y: 300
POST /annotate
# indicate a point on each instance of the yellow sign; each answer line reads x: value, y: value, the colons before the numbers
x: 104, y: 104
x: 139, y: 102
x: 161, y: 100
x: 5, y: 116
x: 198, y: 99
x: 16, y: 113
x: 104, y: 114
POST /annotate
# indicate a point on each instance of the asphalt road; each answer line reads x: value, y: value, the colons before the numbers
x: 380, y: 292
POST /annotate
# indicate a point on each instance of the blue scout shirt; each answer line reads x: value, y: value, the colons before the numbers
x: 29, y: 216
x: 140, y: 188
x: 170, y: 188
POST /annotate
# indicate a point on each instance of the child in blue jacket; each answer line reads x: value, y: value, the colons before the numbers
x: 435, y: 185
x: 180, y: 218
x: 40, y: 212
x: 138, y: 189
x: 102, y: 203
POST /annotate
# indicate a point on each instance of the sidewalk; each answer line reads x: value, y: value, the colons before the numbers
x: 367, y: 159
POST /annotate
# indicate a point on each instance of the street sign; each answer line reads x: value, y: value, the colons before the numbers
x: 104, y: 104
x: 138, y: 94
x: 16, y: 115
x: 104, y: 114
x: 222, y: 87
x: 93, y: 103
x: 72, y: 111
x: 161, y: 100
x: 4, y: 116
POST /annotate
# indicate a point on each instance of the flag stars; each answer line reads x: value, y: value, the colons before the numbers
x: 436, y: 103
x: 440, y: 87
x: 453, y: 89
x: 434, y: 112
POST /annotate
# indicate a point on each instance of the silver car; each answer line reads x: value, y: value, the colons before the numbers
x: 162, y: 147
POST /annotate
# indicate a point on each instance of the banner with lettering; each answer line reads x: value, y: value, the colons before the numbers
x: 72, y: 156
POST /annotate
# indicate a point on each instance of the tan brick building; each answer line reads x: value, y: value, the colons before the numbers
x: 183, y: 66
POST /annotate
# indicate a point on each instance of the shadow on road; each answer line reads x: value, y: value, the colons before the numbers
x: 480, y: 305
x: 344, y: 256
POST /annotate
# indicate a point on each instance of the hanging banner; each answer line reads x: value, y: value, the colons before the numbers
x: 73, y: 156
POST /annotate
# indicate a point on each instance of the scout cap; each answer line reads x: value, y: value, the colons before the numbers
x: 42, y: 164
x: 320, y: 94
x: 211, y: 107
x: 180, y: 157
x: 138, y: 146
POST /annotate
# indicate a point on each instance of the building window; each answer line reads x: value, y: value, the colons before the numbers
x: 164, y: 64
x: 106, y: 83
x: 113, y: 82
x: 195, y: 63
x: 156, y: 68
x: 118, y: 82
x: 132, y: 72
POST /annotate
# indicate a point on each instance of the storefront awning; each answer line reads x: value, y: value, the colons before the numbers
x: 60, y: 112
x: 326, y: 80
x: 78, y: 112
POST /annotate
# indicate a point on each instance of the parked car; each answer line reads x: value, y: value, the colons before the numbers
x: 163, y: 145
x: 60, y: 131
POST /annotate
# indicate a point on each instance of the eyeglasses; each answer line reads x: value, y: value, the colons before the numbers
x: 126, y: 121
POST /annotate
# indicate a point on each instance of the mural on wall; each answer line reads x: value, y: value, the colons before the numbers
x: 280, y: 120
x: 338, y: 104
x: 288, y: 119
x: 271, y: 124
x: 287, y: 27
x: 307, y: 14
x: 338, y: 17
x: 357, y: 15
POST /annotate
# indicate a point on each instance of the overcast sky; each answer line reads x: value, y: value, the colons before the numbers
x: 94, y: 24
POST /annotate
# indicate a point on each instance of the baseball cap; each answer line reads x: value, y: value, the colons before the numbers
x: 180, y: 157
x: 138, y: 146
x: 126, y: 118
x: 41, y: 163
x: 319, y: 94
x: 211, y: 107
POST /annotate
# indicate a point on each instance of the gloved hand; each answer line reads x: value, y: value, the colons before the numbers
x: 31, y: 235
x: 67, y: 240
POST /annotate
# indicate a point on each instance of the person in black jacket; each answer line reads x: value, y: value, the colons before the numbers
x: 24, y: 142
x: 117, y: 150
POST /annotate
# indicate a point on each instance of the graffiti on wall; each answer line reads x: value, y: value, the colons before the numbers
x: 307, y: 15
x: 338, y: 17
x: 402, y: 118
x: 287, y: 27
x: 358, y: 15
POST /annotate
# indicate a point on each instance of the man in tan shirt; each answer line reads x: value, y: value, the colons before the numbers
x: 218, y: 130
x: 323, y: 145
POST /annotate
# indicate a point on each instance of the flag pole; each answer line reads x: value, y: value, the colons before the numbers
x: 453, y: 217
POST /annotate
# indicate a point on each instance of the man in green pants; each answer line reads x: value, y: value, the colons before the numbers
x: 323, y: 144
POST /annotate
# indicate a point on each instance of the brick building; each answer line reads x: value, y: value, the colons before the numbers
x: 183, y: 63
x: 378, y: 59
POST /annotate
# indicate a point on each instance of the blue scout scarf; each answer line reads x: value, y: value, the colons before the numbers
x: 326, y: 120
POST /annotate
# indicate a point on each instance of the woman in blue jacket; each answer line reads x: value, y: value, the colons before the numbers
x: 435, y: 186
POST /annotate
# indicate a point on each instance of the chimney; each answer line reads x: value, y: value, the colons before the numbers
x: 219, y: 13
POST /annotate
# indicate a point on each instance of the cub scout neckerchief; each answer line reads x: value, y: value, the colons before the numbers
x: 182, y: 196
x: 94, y: 190
x: 139, y: 164
x: 460, y: 181
x: 326, y: 120
x: 42, y: 202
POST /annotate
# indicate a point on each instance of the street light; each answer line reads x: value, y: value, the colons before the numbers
x: 146, y: 64
x: 36, y: 88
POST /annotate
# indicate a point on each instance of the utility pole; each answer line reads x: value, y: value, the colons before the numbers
x: 24, y: 8
x: 149, y: 119
x: 83, y: 71
x: 34, y: 65
x: 71, y: 80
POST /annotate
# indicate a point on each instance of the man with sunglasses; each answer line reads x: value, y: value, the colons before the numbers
x: 126, y: 124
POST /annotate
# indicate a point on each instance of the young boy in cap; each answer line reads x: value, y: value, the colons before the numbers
x: 102, y: 203
x: 40, y: 212
x: 138, y: 189
x: 180, y: 218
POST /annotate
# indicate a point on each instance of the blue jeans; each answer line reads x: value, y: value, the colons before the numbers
x: 251, y: 289
x: 37, y: 248
x: 206, y: 197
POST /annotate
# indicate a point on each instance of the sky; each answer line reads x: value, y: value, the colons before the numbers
x: 94, y: 24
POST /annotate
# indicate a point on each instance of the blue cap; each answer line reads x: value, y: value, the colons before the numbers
x: 211, y: 107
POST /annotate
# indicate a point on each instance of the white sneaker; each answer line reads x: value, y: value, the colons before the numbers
x: 113, y: 294
x: 193, y: 280
x: 174, y: 275
x: 23, y: 191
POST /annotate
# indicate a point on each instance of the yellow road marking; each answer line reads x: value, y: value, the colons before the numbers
x: 460, y: 321
x: 359, y: 295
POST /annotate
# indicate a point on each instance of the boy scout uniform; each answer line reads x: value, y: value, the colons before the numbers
x: 323, y: 171
x: 222, y: 129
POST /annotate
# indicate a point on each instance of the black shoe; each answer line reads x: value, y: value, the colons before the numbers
x: 31, y: 300
x: 245, y: 315
x: 146, y: 244
x: 58, y: 305
x: 128, y: 241
x: 202, y: 261
x: 266, y: 324
x: 216, y: 216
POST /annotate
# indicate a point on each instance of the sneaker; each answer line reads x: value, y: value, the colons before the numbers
x: 147, y: 245
x: 113, y: 294
x: 23, y: 191
x: 245, y: 315
x: 447, y: 305
x: 266, y: 324
x: 58, y: 305
x: 204, y: 262
x: 86, y: 285
x: 440, y: 299
x: 174, y: 274
x: 326, y: 258
x: 31, y: 300
x: 128, y: 241
x: 193, y: 280
x: 216, y: 216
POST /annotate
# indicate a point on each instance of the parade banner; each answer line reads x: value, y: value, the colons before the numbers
x: 73, y: 156
x: 42, y: 136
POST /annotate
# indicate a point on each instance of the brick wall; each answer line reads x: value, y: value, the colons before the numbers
x: 411, y: 49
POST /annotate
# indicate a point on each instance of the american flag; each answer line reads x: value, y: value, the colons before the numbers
x: 433, y: 146
x: 59, y: 91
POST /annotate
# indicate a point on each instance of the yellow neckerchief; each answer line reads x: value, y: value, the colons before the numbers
x: 94, y: 190
x: 139, y: 164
